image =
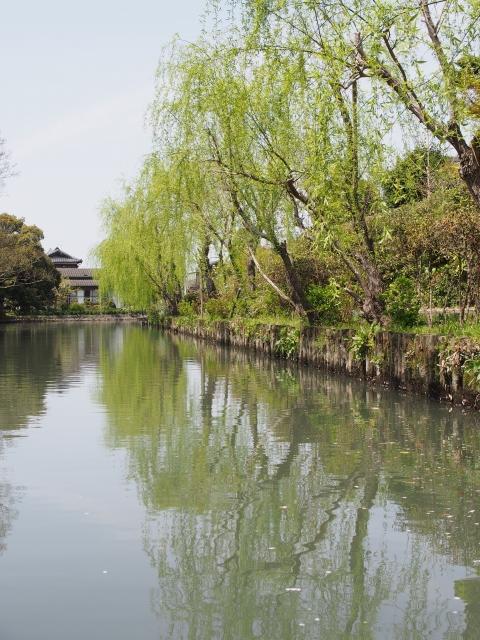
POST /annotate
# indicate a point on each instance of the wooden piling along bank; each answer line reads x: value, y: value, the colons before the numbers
x: 430, y: 365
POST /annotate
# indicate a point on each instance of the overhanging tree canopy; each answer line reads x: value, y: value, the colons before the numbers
x: 27, y: 276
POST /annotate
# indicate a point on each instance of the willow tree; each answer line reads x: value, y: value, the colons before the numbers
x: 222, y: 111
x: 147, y: 247
x: 418, y: 58
x: 292, y: 149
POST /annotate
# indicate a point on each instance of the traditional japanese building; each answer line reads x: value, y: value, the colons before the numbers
x: 82, y: 281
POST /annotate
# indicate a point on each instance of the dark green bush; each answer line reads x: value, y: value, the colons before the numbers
x: 218, y: 308
x: 77, y: 309
x: 326, y: 302
x: 402, y: 303
x: 187, y: 309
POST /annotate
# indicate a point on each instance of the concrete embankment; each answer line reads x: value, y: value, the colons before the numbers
x: 430, y: 365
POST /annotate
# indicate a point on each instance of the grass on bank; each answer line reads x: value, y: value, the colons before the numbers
x: 441, y: 326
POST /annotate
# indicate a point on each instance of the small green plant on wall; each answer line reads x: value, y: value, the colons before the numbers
x: 471, y: 372
x: 363, y: 342
x: 288, y: 343
x: 462, y: 354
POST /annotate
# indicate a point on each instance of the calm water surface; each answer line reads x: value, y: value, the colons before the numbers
x: 152, y: 487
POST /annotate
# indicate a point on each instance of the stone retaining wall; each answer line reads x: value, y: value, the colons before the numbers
x: 397, y: 360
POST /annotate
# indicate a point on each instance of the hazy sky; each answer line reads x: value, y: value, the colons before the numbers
x: 77, y: 77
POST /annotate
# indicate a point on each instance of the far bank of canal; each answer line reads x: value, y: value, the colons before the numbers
x: 430, y: 365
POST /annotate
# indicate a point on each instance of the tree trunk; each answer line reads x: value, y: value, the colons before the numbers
x: 476, y: 288
x: 173, y: 296
x: 2, y: 306
x: 299, y: 298
x: 172, y: 307
x: 373, y: 309
x: 251, y: 272
x: 464, y: 300
x: 470, y: 170
x: 373, y: 306
x: 206, y: 268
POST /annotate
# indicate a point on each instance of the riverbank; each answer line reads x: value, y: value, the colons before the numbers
x: 440, y: 367
x: 100, y: 317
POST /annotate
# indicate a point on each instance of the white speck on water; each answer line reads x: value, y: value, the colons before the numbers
x: 284, y: 506
x: 327, y: 573
x: 457, y: 598
x: 317, y: 619
x: 86, y: 513
x: 301, y: 624
x: 104, y: 571
x: 271, y: 548
x: 293, y: 589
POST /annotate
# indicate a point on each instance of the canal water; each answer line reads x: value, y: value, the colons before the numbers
x: 154, y: 487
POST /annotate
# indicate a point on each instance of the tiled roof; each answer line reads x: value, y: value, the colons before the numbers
x: 83, y: 283
x: 57, y: 255
x: 57, y: 260
x: 79, y: 277
x: 71, y: 273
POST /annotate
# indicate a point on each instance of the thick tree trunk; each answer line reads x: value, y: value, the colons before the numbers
x: 299, y: 298
x: 373, y: 306
x: 172, y: 297
x: 206, y: 267
x: 172, y: 307
x: 172, y: 300
x: 470, y: 170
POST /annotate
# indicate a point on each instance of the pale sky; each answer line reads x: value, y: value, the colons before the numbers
x: 76, y: 81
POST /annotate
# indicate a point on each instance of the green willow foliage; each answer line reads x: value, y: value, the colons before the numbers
x: 277, y: 132
x: 144, y: 256
x: 418, y: 59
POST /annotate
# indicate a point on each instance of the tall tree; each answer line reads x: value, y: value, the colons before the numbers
x: 217, y: 110
x: 291, y: 162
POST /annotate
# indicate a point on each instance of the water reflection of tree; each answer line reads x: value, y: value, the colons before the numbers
x: 35, y: 358
x: 259, y: 478
x: 7, y: 511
